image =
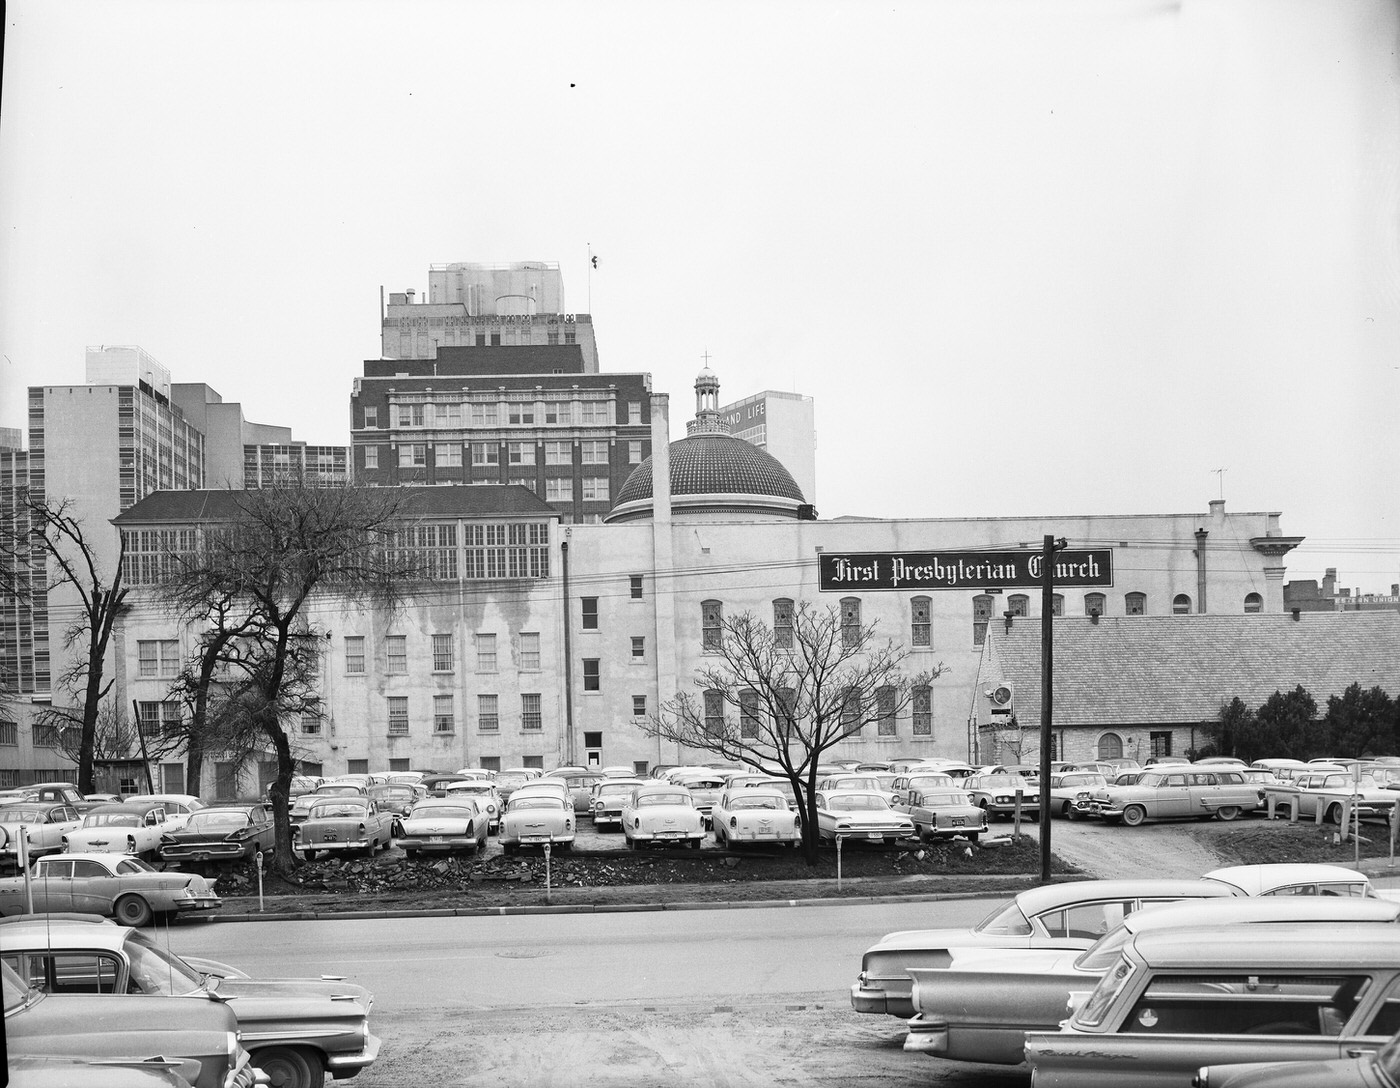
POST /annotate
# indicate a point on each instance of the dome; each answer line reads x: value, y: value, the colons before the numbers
x: 723, y: 468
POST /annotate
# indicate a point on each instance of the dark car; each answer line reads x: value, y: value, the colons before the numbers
x: 396, y: 798
x: 221, y: 833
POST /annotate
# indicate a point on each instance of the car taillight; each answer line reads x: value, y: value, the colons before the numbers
x: 733, y: 821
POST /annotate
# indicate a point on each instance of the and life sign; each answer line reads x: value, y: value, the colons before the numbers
x: 960, y: 570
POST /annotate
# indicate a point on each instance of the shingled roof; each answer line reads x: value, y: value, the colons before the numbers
x: 1180, y: 669
x: 477, y: 500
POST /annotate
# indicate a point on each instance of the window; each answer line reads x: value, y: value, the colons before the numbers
x: 593, y: 740
x: 396, y: 651
x: 1135, y: 604
x: 311, y: 719
x: 507, y: 550
x: 9, y: 734
x: 371, y: 457
x: 1057, y: 604
x: 449, y: 415
x: 158, y: 718
x: 485, y: 415
x: 524, y: 481
x: 711, y: 625
x: 1181, y: 605
x: 371, y: 415
x: 45, y: 736
x: 1160, y: 742
x: 1018, y: 604
x: 921, y: 621
x: 981, y: 614
x: 520, y: 413
x: 520, y: 453
x: 636, y: 584
x: 398, y: 715
x: 1253, y: 602
x: 531, y: 720
x: 354, y: 654
x: 1094, y: 604
x: 444, y: 720
x: 159, y: 658
x: 396, y: 765
x: 1226, y: 1004
x: 490, y: 763
x: 558, y: 489
x: 884, y: 704
x: 748, y: 714
x: 357, y: 766
x: 634, y: 412
x: 595, y: 412
x: 921, y: 704
x: 639, y: 648
x: 448, y: 455
x: 852, y: 715
x: 591, y: 680
x: 787, y: 706
x: 595, y: 489
x: 529, y: 651
x: 486, y: 653
x: 413, y: 455
x: 593, y: 453
x: 639, y: 706
x: 557, y: 453
x: 850, y: 621
x: 589, y: 606
x: 634, y: 452
x: 782, y: 623
x: 442, y: 653
x: 488, y: 718
x: 714, y: 713
x: 639, y: 767
x: 486, y: 453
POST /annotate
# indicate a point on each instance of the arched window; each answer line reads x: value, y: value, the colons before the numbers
x: 1135, y: 604
x: 1110, y: 746
x: 981, y: 613
x: 1057, y: 604
x: 922, y: 709
x: 1094, y: 604
x: 782, y: 623
x: 1253, y: 602
x: 921, y: 625
x: 850, y: 621
x: 1181, y: 605
x: 748, y: 714
x: 714, y: 712
x: 711, y: 624
x: 1018, y: 604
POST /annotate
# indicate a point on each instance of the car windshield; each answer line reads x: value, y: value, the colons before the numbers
x: 538, y: 800
x: 156, y: 971
x: 471, y: 787
x: 392, y: 793
x: 510, y: 781
x: 1008, y: 920
x: 217, y: 820
x: 663, y: 799
x: 112, y: 819
x: 616, y: 790
x: 947, y: 797
x: 1151, y: 778
x: 858, y: 802
x: 1083, y: 780
x: 1002, y: 781
x: 750, y: 802
x: 926, y: 780
x: 133, y: 865
x: 865, y: 782
x: 334, y: 809
x: 448, y: 812
x: 1105, y: 952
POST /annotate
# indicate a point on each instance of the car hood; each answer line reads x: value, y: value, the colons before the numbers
x: 293, y: 996
x: 83, y: 1024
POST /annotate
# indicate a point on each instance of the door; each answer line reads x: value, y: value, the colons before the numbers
x: 93, y: 889
x: 1173, y: 797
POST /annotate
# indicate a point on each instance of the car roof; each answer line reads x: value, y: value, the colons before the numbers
x: 140, y: 807
x: 1051, y: 896
x: 1265, y: 908
x: 1295, y: 946
x: 48, y: 931
x: 84, y: 855
x: 1254, y: 879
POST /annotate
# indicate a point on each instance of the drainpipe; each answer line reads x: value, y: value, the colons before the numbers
x: 569, y: 760
x: 1201, y: 535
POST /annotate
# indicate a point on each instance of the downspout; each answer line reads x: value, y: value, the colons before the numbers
x: 1201, y: 535
x: 569, y: 760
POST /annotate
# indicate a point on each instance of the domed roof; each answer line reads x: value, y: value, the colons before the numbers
x: 715, y: 464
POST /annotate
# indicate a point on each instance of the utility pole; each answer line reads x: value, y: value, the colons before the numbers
x: 1047, y: 688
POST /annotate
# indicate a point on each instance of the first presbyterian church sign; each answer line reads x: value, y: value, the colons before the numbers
x: 844, y: 571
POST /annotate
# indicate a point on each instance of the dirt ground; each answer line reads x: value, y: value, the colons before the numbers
x: 605, y: 874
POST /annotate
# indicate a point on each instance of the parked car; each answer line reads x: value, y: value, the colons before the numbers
x: 1062, y: 916
x: 704, y: 786
x: 301, y: 807
x: 995, y: 794
x: 1071, y: 786
x: 107, y: 884
x: 480, y: 790
x: 756, y: 813
x: 123, y: 829
x: 857, y: 814
x: 609, y: 796
x: 396, y: 798
x: 508, y: 781
x: 1364, y: 1069
x: 917, y: 781
x: 660, y: 814
x: 44, y: 822
x: 1174, y: 793
x: 1307, y: 793
x: 443, y: 825
x: 580, y: 783
x: 298, y: 1031
x: 342, y: 824
x: 64, y: 792
x: 221, y: 833
x: 1291, y: 878
x: 554, y: 787
x: 178, y: 806
x: 534, y: 819
x: 864, y: 781
x: 1178, y: 999
x: 944, y: 812
x: 44, y: 1025
x: 53, y: 1072
x: 981, y: 1006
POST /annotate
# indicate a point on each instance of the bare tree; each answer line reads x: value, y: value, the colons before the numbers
x: 778, y: 701
x: 71, y: 560
x: 280, y: 549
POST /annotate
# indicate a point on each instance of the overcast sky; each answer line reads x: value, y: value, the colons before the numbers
x: 1030, y: 258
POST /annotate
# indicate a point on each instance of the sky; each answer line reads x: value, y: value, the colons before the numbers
x: 1029, y: 257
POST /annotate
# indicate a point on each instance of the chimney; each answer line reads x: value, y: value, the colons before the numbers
x: 1094, y: 617
x: 1201, y: 535
x: 1329, y: 582
x: 1296, y: 613
x: 412, y: 296
x: 1009, y: 616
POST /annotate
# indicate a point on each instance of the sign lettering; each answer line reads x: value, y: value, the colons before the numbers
x: 844, y: 571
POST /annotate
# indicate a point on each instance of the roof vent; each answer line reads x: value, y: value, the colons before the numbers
x: 1296, y: 613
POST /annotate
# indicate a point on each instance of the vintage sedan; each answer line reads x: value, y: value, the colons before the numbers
x: 338, y: 825
x: 580, y: 785
x: 995, y: 794
x: 857, y: 814
x: 221, y: 833
x: 122, y: 829
x: 179, y: 807
x: 1175, y: 792
x: 301, y: 805
x: 1061, y: 916
x: 44, y: 822
x: 905, y: 784
x: 1305, y: 795
x: 537, y: 819
x: 483, y: 792
x: 444, y: 825
x: 1181, y: 998
x: 661, y: 814
x: 40, y: 1024
x: 396, y: 798
x: 981, y: 1006
x: 107, y: 884
x: 298, y: 1031
x: 609, y: 796
x: 1070, y: 787
x: 705, y: 788
x: 944, y: 812
x: 755, y: 814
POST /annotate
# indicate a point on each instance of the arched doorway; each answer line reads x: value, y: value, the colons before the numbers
x: 1110, y: 746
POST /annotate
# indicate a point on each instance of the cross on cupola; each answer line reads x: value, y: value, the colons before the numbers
x: 707, y: 419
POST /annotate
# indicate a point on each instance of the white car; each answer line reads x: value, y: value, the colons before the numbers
x: 44, y: 822
x: 662, y: 814
x: 860, y: 814
x: 119, y: 829
x: 442, y: 825
x: 749, y: 814
x: 179, y: 807
x: 537, y: 819
x: 481, y: 790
